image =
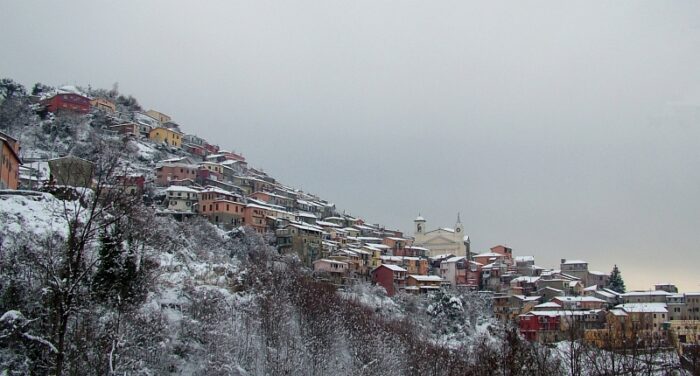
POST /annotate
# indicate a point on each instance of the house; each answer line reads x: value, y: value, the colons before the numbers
x: 164, y: 135
x: 397, y: 245
x: 459, y: 271
x: 526, y: 266
x: 335, y: 270
x: 539, y: 327
x: 68, y: 102
x: 255, y: 216
x: 103, y: 105
x: 579, y: 302
x: 647, y: 319
x: 525, y: 285
x: 423, y: 283
x: 413, y: 265
x: 195, y: 149
x: 303, y: 240
x: 32, y: 175
x: 490, y: 257
x: 655, y: 296
x: 146, y: 122
x: 221, y: 207
x: 131, y: 184
x: 167, y: 172
x: 415, y: 251
x: 9, y: 162
x: 183, y: 199
x: 554, y: 326
x: 575, y: 268
x: 128, y: 128
x: 597, y: 278
x: 159, y: 116
x: 391, y: 277
x: 508, y: 307
x: 71, y: 170
x: 442, y: 240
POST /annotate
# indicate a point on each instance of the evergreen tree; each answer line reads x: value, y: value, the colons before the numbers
x: 616, y: 283
x: 117, y: 279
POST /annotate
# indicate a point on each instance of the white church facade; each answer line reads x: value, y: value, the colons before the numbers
x: 442, y: 240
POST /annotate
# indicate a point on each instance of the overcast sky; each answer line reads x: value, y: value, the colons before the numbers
x: 561, y: 129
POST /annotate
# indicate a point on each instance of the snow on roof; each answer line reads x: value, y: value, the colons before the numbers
x: 548, y: 305
x: 524, y: 258
x: 394, y: 268
x: 643, y: 307
x: 579, y: 299
x: 618, y: 312
x: 305, y: 214
x: 395, y: 238
x: 455, y: 259
x: 565, y: 313
x: 527, y: 298
x: 595, y: 272
x: 331, y: 261
x: 179, y: 188
x: 572, y: 262
x: 210, y: 189
x: 426, y: 278
x: 646, y: 293
x: 442, y: 256
x: 391, y: 258
x: 447, y: 229
x: 605, y: 294
x: 70, y: 89
x: 419, y: 248
x: 525, y: 279
x: 306, y: 227
x: 490, y: 254
x: 327, y: 224
x: 419, y: 218
x: 378, y: 246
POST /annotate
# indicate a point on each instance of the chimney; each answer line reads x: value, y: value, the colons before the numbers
x: 563, y: 261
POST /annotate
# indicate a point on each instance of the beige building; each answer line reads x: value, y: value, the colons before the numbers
x: 103, y: 105
x: 442, y: 240
x: 161, y: 117
x: 72, y: 170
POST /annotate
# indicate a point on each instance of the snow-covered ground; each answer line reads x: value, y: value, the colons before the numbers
x: 31, y: 212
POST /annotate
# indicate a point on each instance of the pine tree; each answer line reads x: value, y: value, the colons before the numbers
x: 616, y: 283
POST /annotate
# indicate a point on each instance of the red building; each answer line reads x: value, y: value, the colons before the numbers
x: 132, y: 183
x: 67, y: 102
x: 534, y: 324
x: 196, y: 149
x: 391, y: 277
x: 211, y: 149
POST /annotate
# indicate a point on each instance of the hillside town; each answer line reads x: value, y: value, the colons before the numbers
x: 201, y: 179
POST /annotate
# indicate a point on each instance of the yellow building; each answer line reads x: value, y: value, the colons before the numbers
x: 169, y: 136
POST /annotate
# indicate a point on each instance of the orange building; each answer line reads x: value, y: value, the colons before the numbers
x: 9, y: 162
x: 221, y: 207
x: 255, y: 217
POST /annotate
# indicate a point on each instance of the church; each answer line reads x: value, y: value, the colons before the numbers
x: 442, y: 240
